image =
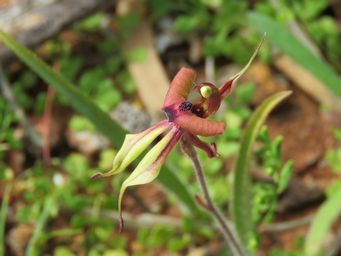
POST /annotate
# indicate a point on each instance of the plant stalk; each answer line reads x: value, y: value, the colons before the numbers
x: 208, y: 204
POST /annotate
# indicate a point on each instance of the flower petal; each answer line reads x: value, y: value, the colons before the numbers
x: 133, y: 146
x: 209, y: 148
x: 180, y: 87
x: 149, y: 167
x: 199, y: 126
x: 226, y: 88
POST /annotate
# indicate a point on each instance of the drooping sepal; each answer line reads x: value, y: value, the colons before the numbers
x: 133, y: 146
x: 209, y: 148
x: 149, y: 167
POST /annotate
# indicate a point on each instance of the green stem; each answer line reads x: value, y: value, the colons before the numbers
x: 32, y: 249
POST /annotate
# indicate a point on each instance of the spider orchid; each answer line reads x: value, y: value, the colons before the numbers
x: 185, y: 120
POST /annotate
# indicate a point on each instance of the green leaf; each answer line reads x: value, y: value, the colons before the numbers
x: 280, y: 36
x: 103, y: 122
x: 285, y: 176
x: 77, y: 99
x: 322, y: 222
x: 242, y: 196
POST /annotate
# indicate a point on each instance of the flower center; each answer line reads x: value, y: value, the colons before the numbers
x: 185, y: 106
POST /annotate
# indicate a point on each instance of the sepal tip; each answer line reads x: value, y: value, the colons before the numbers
x: 96, y: 175
x: 120, y: 224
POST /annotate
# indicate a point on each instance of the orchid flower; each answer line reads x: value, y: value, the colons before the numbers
x: 185, y: 120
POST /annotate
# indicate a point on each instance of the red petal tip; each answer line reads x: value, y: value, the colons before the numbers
x: 201, y: 202
x: 209, y: 148
x: 121, y: 224
x: 97, y: 175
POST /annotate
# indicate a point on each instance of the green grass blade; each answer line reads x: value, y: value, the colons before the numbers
x: 322, y: 222
x: 281, y: 37
x: 242, y: 196
x: 3, y: 215
x: 77, y: 99
x: 32, y: 247
x: 106, y: 125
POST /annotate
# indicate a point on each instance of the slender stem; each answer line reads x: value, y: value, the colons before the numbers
x: 229, y: 237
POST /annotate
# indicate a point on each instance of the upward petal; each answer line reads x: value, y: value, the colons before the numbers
x: 149, y: 167
x: 133, y: 146
x: 226, y: 88
x: 180, y: 87
x: 199, y: 126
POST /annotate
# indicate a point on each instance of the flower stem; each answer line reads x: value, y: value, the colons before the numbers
x: 208, y: 204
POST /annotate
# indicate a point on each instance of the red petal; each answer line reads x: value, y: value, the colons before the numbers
x: 209, y: 148
x: 225, y: 89
x: 199, y: 126
x: 180, y: 87
x: 228, y: 86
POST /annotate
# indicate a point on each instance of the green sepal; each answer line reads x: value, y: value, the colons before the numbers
x: 133, y: 146
x: 149, y: 167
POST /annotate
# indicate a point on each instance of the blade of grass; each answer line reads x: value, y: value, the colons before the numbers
x: 77, y: 99
x: 32, y: 247
x: 282, y: 38
x: 242, y: 196
x: 322, y: 222
x: 106, y: 125
x: 3, y: 215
